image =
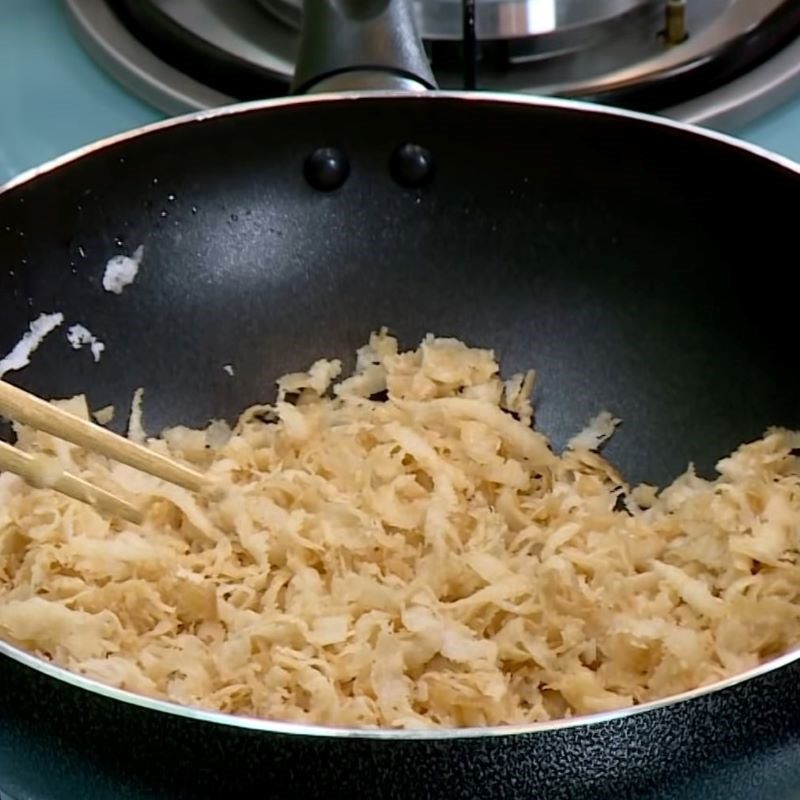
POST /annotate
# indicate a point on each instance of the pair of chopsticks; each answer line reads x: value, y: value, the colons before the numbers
x: 30, y: 410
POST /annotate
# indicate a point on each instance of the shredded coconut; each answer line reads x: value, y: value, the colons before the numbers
x: 38, y: 329
x: 229, y: 369
x: 599, y: 430
x: 104, y: 415
x: 121, y: 271
x: 78, y: 336
x: 401, y: 549
x: 136, y: 431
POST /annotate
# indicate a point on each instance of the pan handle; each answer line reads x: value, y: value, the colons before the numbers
x: 360, y: 44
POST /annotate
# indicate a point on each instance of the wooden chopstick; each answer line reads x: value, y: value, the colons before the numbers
x: 31, y: 410
x: 31, y: 469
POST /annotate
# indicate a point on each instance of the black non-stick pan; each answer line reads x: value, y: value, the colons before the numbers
x: 641, y: 266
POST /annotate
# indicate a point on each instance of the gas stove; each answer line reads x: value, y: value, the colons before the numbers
x: 720, y: 62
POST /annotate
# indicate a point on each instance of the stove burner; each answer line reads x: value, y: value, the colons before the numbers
x: 194, y: 53
x: 495, y: 19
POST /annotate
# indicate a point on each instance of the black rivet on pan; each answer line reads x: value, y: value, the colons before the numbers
x: 411, y: 165
x: 327, y: 168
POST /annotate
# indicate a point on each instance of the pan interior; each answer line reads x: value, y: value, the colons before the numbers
x: 639, y: 268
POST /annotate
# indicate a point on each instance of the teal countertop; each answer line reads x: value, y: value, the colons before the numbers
x: 54, y: 98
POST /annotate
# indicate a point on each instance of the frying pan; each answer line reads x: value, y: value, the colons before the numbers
x: 640, y: 265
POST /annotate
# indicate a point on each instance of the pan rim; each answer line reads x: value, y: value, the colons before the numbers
x: 488, y: 98
x: 201, y: 715
x: 438, y: 734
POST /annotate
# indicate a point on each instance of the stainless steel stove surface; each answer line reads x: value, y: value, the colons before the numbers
x: 719, y: 62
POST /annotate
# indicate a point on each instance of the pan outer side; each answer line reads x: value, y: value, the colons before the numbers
x: 59, y: 742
